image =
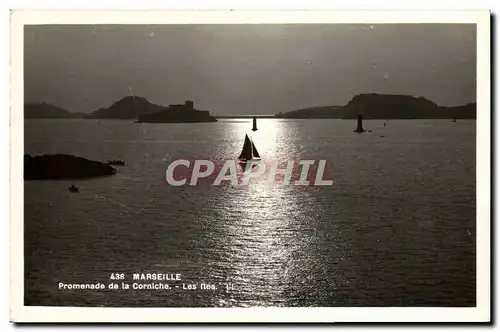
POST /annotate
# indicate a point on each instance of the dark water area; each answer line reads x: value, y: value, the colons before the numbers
x: 396, y: 228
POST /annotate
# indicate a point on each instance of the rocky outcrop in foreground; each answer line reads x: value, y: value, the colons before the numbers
x: 63, y: 166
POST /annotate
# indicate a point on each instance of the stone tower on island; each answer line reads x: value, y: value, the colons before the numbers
x: 189, y: 105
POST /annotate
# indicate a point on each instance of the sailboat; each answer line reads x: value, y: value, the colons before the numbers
x: 254, y: 128
x: 249, y: 151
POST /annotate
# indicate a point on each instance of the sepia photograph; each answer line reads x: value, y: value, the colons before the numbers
x: 252, y: 164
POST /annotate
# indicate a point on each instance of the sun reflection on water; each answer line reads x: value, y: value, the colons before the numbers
x: 260, y: 251
x: 258, y: 230
x: 265, y: 138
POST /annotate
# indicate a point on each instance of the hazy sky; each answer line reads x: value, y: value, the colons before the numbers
x: 248, y: 69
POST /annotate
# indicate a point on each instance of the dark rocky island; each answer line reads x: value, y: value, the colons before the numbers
x: 376, y: 106
x: 178, y: 114
x: 383, y: 106
x: 48, y: 111
x: 127, y: 108
x: 467, y: 111
x: 63, y: 166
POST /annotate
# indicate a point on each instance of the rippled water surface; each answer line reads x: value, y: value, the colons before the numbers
x: 396, y: 228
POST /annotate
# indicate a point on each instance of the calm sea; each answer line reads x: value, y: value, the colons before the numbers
x: 396, y: 228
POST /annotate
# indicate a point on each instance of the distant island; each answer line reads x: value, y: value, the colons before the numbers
x: 384, y: 106
x: 63, y: 166
x: 48, y: 111
x: 245, y: 116
x: 127, y: 108
x: 370, y: 106
x: 178, y: 114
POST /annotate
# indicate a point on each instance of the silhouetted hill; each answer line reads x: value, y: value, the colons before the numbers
x: 178, y: 114
x: 383, y: 106
x: 378, y: 106
x: 63, y: 166
x: 129, y: 107
x: 312, y: 113
x: 48, y: 111
x: 467, y: 111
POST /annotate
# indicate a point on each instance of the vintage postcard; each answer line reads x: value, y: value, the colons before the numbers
x: 250, y: 166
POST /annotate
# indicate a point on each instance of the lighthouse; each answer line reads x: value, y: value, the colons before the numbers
x: 359, y: 128
x: 254, y: 128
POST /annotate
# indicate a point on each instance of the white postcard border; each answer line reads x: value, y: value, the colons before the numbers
x: 21, y: 313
